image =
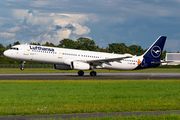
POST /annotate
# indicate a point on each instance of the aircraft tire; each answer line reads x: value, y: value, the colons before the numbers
x: 21, y: 68
x: 80, y: 73
x: 93, y: 73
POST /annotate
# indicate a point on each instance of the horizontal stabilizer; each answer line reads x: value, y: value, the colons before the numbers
x: 161, y: 62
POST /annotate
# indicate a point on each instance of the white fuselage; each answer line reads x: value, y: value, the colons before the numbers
x: 53, y: 55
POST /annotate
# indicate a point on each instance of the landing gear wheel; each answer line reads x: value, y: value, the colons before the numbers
x: 80, y: 73
x: 21, y: 68
x: 93, y: 73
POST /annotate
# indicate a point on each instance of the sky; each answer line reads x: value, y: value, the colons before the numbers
x: 133, y: 22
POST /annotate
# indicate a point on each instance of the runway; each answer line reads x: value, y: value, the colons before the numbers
x: 100, y: 76
x: 87, y: 115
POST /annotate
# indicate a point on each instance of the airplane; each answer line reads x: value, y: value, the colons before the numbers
x: 71, y: 59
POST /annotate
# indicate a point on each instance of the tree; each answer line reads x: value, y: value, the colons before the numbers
x: 120, y: 48
x: 49, y: 44
x: 86, y: 44
x: 35, y: 43
x: 101, y: 49
x: 163, y: 54
x: 8, y: 47
x: 2, y: 49
x: 135, y: 50
x: 16, y: 43
x: 67, y: 43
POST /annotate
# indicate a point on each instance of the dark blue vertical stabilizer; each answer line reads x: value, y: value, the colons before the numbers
x: 156, y: 49
x: 153, y: 54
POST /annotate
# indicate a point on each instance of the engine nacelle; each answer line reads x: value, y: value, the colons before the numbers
x: 62, y: 67
x: 77, y: 65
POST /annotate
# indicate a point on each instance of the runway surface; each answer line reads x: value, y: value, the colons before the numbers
x: 74, y: 76
x: 87, y: 115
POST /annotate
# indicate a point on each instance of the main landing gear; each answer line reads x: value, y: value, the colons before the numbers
x: 80, y: 73
x: 92, y: 73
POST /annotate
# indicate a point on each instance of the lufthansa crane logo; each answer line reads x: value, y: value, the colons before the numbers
x: 156, y: 51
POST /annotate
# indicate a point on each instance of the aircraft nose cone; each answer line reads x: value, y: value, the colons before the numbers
x: 6, y: 53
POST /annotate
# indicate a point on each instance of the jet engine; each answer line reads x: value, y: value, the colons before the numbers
x: 62, y: 67
x: 77, y: 65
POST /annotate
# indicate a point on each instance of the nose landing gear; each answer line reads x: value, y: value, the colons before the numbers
x: 22, y: 66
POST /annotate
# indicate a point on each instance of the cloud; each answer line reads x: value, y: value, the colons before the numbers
x: 60, y: 34
x: 7, y: 35
x: 52, y: 27
x: 80, y: 30
x: 173, y: 45
x: 19, y: 13
x: 14, y: 29
x: 68, y: 26
x: 110, y: 20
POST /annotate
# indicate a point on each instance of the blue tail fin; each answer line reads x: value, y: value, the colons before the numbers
x: 156, y: 49
x: 153, y: 54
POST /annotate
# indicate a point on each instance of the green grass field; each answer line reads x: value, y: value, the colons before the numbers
x: 51, y: 70
x: 36, y: 97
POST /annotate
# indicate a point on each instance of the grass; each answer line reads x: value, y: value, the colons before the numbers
x: 51, y: 70
x: 36, y: 97
x: 142, y: 117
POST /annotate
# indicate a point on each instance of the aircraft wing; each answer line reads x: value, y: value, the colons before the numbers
x: 100, y: 61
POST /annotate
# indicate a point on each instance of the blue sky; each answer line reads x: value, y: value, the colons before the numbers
x: 131, y: 22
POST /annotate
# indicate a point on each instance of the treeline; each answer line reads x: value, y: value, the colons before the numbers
x: 81, y: 44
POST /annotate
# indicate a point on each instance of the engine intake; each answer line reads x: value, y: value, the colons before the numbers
x: 77, y: 65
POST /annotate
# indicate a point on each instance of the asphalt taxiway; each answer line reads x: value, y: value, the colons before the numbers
x: 74, y: 76
x: 87, y: 115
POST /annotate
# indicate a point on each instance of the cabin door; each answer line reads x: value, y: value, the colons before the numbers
x: 26, y: 50
x: 60, y: 54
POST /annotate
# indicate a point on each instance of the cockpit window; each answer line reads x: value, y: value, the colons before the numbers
x: 14, y: 48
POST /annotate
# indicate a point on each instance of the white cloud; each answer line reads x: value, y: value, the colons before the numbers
x: 19, y: 13
x: 173, y: 45
x: 80, y: 30
x: 14, y: 29
x: 45, y: 20
x: 5, y: 21
x: 64, y: 19
x: 61, y: 34
x: 51, y: 27
x: 55, y: 38
x: 7, y: 35
x: 11, y: 40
